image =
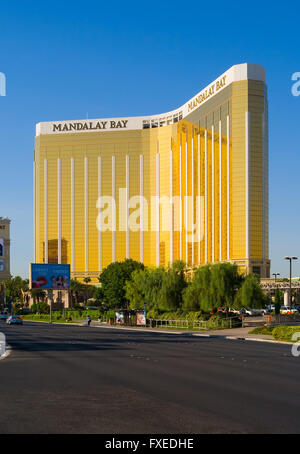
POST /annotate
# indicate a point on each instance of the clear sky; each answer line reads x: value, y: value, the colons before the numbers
x: 66, y: 60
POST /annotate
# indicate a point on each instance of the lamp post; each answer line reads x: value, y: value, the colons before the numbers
x: 290, y: 259
x: 275, y: 274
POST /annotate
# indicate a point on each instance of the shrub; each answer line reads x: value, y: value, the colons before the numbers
x: 283, y: 332
x: 220, y: 321
x: 262, y: 330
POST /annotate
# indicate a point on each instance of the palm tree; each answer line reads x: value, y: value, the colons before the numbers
x: 86, y: 280
x: 37, y: 295
x: 75, y: 288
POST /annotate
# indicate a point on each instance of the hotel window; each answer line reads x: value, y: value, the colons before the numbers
x: 256, y: 270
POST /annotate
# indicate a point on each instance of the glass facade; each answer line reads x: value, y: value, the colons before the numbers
x: 190, y: 185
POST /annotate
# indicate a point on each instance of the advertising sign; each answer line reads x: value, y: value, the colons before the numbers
x: 46, y: 276
x: 141, y: 319
x: 120, y: 318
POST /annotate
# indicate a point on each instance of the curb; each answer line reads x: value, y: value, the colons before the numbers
x: 178, y: 333
x: 142, y: 330
x: 269, y: 340
x: 7, y: 352
x: 54, y: 323
x: 255, y: 339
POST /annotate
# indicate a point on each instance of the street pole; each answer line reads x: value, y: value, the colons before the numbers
x: 50, y: 297
x: 4, y: 296
x: 290, y: 283
x: 145, y: 313
x: 290, y: 295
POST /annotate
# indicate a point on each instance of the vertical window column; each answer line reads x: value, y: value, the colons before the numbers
x: 247, y: 181
x: 59, y: 209
x: 86, y: 214
x: 141, y: 208
x: 157, y: 211
x: 199, y: 200
x: 186, y: 202
x: 34, y: 212
x: 171, y: 206
x: 220, y: 191
x: 113, y: 182
x: 127, y: 207
x: 46, y: 209
x: 212, y: 194
x: 100, y: 214
x: 228, y: 189
x: 193, y: 195
x: 180, y: 197
x: 72, y: 214
x: 264, y: 185
x: 206, y: 169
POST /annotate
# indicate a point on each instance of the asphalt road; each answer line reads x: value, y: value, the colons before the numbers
x: 71, y: 379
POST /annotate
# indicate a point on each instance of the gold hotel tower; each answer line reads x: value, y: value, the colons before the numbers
x: 190, y: 184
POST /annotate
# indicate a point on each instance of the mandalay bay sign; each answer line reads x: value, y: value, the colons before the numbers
x: 90, y: 125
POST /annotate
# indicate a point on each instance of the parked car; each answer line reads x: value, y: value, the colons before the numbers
x: 252, y: 312
x: 266, y: 311
x: 235, y: 311
x: 4, y: 316
x: 260, y: 311
x: 284, y: 310
x: 14, y: 320
x: 269, y: 309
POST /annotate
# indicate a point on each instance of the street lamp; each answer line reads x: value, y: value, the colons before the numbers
x: 290, y: 259
x: 275, y: 274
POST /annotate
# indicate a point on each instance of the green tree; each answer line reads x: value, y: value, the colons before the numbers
x: 198, y: 294
x: 40, y: 308
x: 86, y: 288
x: 113, y: 279
x: 15, y: 289
x: 75, y: 289
x: 278, y: 301
x: 170, y: 296
x: 135, y: 288
x: 250, y: 295
x: 98, y: 295
x: 225, y: 282
x: 38, y: 295
x: 212, y: 286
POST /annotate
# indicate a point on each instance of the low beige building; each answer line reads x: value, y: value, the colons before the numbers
x: 4, y: 249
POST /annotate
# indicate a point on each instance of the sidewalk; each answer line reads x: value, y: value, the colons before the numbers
x: 233, y: 333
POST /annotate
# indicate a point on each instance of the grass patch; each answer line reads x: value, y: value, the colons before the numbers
x: 280, y: 333
x: 262, y: 330
x: 45, y: 318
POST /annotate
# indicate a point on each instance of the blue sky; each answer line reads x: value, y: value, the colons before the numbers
x: 64, y: 60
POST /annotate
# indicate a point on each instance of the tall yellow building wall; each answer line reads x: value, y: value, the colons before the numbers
x: 231, y: 189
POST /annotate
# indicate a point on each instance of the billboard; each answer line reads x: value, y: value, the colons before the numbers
x: 141, y: 319
x: 48, y: 276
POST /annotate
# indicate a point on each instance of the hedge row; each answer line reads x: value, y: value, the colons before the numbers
x: 281, y: 332
x: 72, y: 314
x: 216, y: 321
x: 285, y: 333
